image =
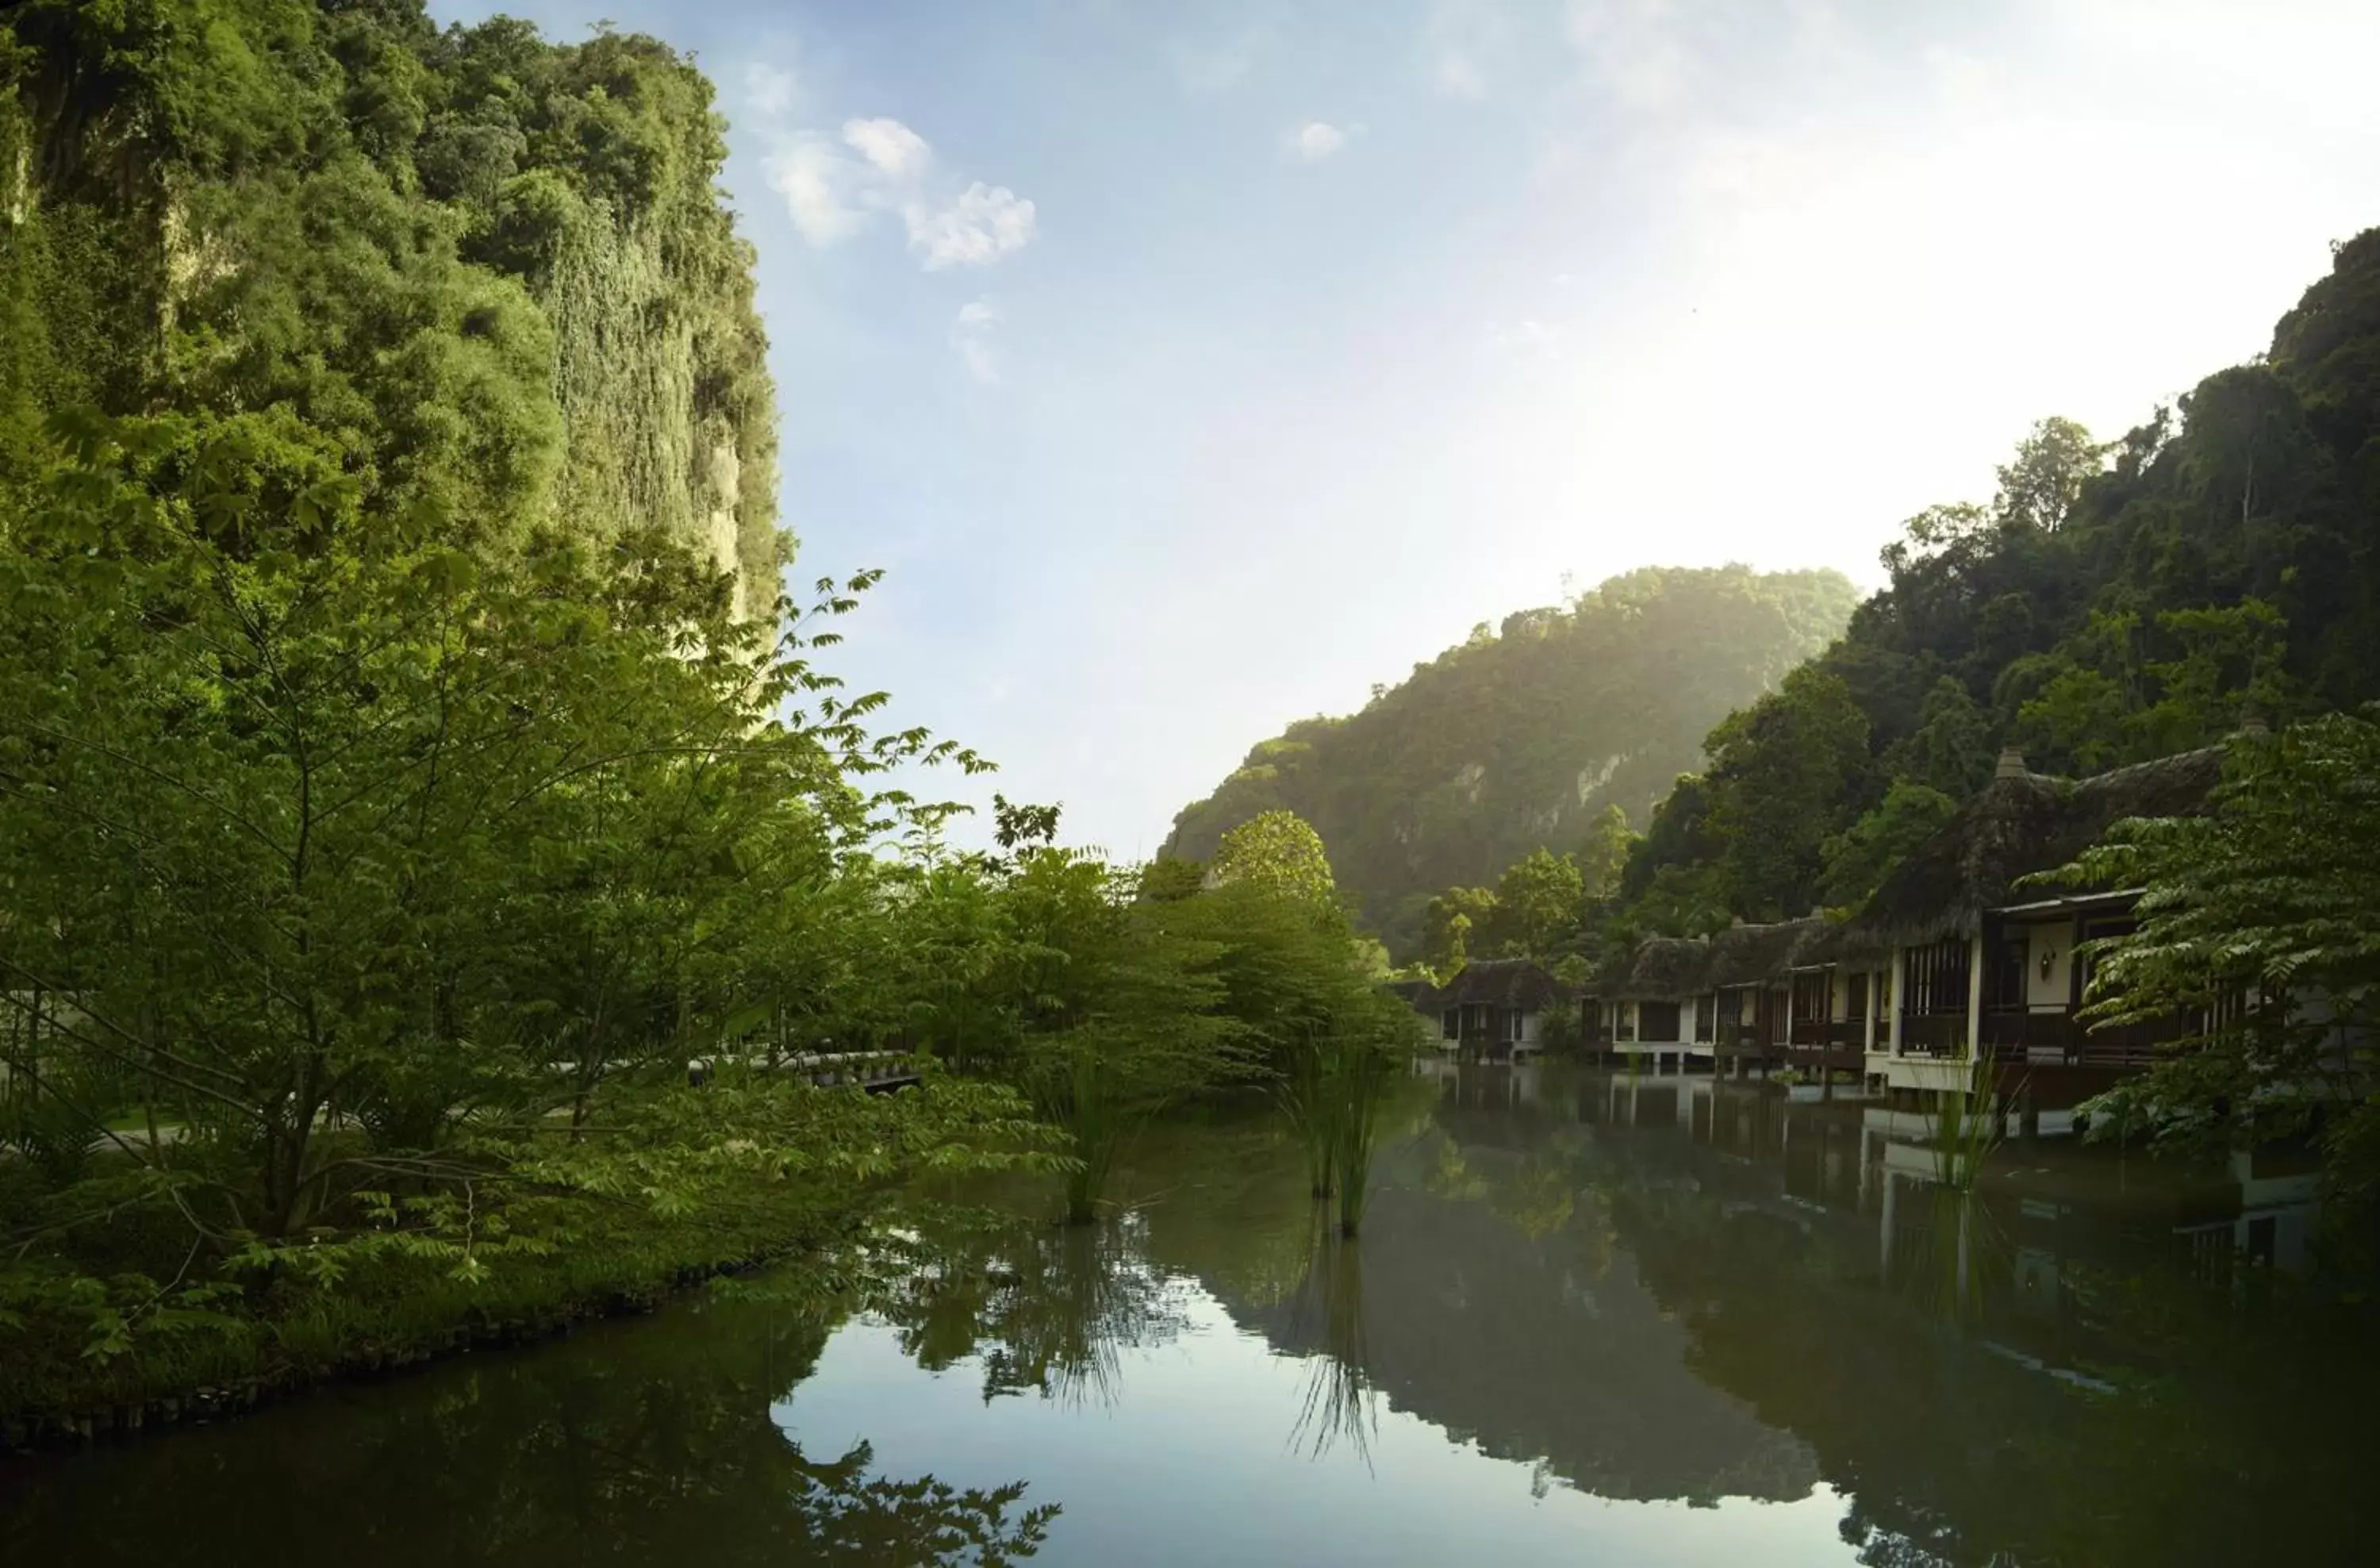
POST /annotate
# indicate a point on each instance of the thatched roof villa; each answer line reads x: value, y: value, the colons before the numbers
x: 1958, y: 954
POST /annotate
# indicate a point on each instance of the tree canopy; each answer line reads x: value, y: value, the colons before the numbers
x: 1527, y: 735
x: 1277, y: 850
x: 2113, y: 602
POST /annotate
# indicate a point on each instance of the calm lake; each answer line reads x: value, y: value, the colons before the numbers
x: 1590, y: 1319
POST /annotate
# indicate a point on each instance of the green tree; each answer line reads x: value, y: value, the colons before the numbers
x: 1455, y: 918
x: 2040, y: 486
x: 1166, y: 879
x: 351, y: 859
x: 1604, y: 855
x: 1858, y: 859
x: 1784, y: 778
x: 1539, y: 902
x: 1279, y: 850
x: 2227, y: 658
x: 2261, y: 920
x: 1952, y: 751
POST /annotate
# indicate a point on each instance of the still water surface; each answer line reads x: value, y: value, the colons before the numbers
x: 1590, y: 1321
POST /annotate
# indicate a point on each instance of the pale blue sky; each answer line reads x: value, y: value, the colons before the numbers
x: 1332, y: 329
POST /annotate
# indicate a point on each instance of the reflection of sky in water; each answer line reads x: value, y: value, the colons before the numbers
x: 1192, y: 1462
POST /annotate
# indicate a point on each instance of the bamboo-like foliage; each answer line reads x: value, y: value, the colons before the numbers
x: 1338, y: 1081
x: 2260, y: 926
x: 1966, y: 1126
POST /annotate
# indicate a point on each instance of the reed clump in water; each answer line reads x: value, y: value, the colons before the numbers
x: 1338, y: 1080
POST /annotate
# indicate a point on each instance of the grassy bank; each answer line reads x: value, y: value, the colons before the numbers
x: 285, y: 1332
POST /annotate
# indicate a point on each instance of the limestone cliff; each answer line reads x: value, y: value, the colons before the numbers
x: 496, y: 271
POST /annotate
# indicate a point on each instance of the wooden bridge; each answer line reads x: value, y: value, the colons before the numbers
x: 878, y: 1072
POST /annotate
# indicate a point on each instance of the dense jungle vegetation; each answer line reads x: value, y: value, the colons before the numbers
x: 1527, y: 735
x: 2114, y: 601
x: 429, y: 846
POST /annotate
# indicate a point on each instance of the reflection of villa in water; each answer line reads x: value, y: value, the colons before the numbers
x: 2052, y: 1207
x: 1697, y: 1288
x: 1665, y: 1287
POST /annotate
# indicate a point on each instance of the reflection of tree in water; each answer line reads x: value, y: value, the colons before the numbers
x: 1339, y: 1403
x: 1485, y: 1298
x: 1046, y: 1308
x: 646, y: 1442
x: 1956, y: 1260
x: 2226, y: 1440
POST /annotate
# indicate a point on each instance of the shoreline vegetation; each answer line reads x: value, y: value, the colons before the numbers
x: 59, y: 1401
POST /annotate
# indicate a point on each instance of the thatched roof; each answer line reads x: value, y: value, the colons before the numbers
x: 1507, y: 982
x: 1418, y: 994
x: 1661, y: 968
x: 1748, y: 954
x: 1838, y: 942
x: 2023, y: 823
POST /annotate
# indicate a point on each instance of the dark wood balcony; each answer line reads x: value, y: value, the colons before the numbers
x: 1745, y: 1039
x: 2054, y: 1035
x: 1934, y: 1034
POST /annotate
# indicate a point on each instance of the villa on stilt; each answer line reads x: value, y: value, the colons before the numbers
x: 1965, y: 969
x: 1495, y: 1009
x: 1965, y: 972
x: 1983, y: 956
x: 1649, y: 1010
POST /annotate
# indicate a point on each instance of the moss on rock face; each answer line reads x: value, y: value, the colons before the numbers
x: 498, y: 270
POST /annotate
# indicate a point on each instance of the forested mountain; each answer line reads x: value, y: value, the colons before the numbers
x: 2114, y: 602
x: 1526, y: 736
x: 494, y: 269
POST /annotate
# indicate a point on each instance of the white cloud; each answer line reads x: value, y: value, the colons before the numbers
x: 985, y: 223
x: 971, y: 332
x: 832, y: 195
x: 895, y: 150
x: 771, y: 89
x: 1315, y: 140
x: 821, y: 188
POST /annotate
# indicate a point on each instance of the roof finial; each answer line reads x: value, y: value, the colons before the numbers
x: 2012, y: 764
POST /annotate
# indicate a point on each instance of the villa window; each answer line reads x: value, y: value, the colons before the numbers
x: 2004, y: 980
x: 1937, y: 978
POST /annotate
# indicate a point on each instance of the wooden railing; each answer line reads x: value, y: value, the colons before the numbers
x: 2050, y: 1036
x: 2038, y: 1034
x: 1837, y: 1032
x: 1934, y: 1034
x: 1741, y: 1039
